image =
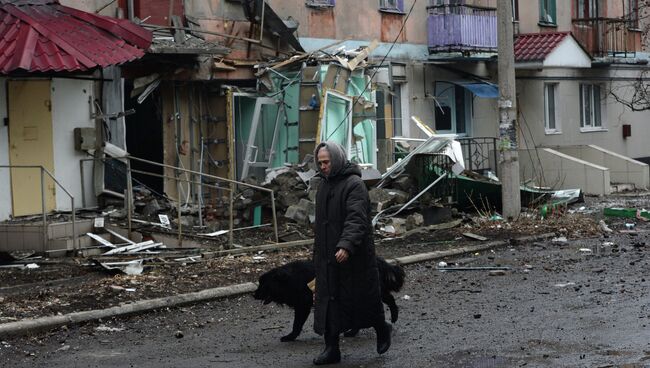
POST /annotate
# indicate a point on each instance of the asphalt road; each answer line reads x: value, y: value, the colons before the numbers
x: 556, y: 307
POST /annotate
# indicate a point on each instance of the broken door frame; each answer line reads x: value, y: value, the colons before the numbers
x: 323, y: 116
x: 250, y: 160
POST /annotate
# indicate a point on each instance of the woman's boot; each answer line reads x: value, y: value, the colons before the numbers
x: 332, y: 353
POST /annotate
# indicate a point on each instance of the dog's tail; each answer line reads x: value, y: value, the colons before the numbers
x: 392, y: 275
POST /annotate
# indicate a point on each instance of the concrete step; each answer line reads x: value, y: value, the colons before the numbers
x: 622, y: 187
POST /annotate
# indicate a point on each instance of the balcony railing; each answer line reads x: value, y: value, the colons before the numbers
x: 461, y: 28
x: 607, y: 36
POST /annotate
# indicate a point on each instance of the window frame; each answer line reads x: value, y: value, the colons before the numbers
x: 396, y: 110
x: 515, y: 10
x: 548, y: 103
x: 587, y: 9
x: 452, y: 91
x: 547, y: 8
x: 387, y: 8
x: 632, y: 14
x: 320, y: 3
x: 591, y: 107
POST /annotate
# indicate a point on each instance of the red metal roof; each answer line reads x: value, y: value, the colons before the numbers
x: 537, y: 46
x: 45, y: 36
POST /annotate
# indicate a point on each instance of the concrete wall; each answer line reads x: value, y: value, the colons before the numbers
x: 561, y: 171
x: 530, y: 89
x: 529, y: 17
x: 622, y: 169
x: 5, y: 178
x: 71, y: 108
x: 92, y: 6
x: 361, y: 20
x: 420, y: 92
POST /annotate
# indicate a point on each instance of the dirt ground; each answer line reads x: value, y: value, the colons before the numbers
x: 66, y: 285
x: 558, y: 305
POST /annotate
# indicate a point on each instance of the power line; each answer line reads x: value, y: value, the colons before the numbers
x: 376, y: 69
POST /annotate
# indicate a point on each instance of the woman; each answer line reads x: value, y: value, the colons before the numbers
x: 347, y: 281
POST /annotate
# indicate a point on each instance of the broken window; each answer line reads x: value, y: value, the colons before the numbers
x: 453, y: 109
x: 550, y: 115
x: 392, y: 5
x: 590, y: 106
x: 320, y: 3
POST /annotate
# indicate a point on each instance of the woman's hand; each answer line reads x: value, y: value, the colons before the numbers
x: 342, y: 255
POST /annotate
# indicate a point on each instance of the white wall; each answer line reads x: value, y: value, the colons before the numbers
x: 71, y: 108
x: 484, y: 110
x: 614, y: 114
x: 5, y: 178
x: 562, y: 171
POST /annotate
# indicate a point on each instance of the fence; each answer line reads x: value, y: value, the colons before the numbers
x: 480, y: 154
x: 230, y: 187
x: 43, y: 172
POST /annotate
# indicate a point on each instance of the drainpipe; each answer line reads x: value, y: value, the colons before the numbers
x: 129, y: 6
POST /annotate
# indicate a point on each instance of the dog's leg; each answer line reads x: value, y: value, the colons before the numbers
x: 299, y: 318
x: 351, y: 332
x: 388, y: 299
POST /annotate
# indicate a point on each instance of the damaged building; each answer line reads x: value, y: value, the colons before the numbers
x: 188, y: 120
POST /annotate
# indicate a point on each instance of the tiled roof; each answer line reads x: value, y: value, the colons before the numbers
x: 45, y: 36
x: 537, y: 46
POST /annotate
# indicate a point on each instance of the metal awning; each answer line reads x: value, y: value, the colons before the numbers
x: 479, y: 89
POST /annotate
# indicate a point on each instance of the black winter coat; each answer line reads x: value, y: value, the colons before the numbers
x: 350, y: 291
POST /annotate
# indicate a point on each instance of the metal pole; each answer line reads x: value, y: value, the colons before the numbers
x: 180, y: 216
x: 231, y: 210
x: 83, y: 185
x: 129, y: 196
x: 130, y: 9
x: 262, y: 23
x: 275, y: 220
x: 507, y: 104
x: 200, y: 188
x: 43, y: 207
x: 74, y: 227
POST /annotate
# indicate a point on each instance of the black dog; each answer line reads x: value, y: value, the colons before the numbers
x: 288, y: 285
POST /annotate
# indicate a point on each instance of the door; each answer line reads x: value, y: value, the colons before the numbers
x: 452, y: 109
x: 30, y: 143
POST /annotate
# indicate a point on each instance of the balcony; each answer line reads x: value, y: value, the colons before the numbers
x: 461, y: 28
x: 608, y: 36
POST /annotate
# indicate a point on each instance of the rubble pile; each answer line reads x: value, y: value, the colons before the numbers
x: 573, y: 226
x: 295, y: 189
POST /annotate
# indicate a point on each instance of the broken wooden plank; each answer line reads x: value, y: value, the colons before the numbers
x: 129, y: 247
x: 149, y: 223
x: 475, y: 237
x: 143, y: 248
x: 122, y: 238
x: 270, y: 247
x: 352, y: 64
x: 101, y: 240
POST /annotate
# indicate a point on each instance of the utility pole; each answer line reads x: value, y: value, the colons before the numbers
x: 508, y: 156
